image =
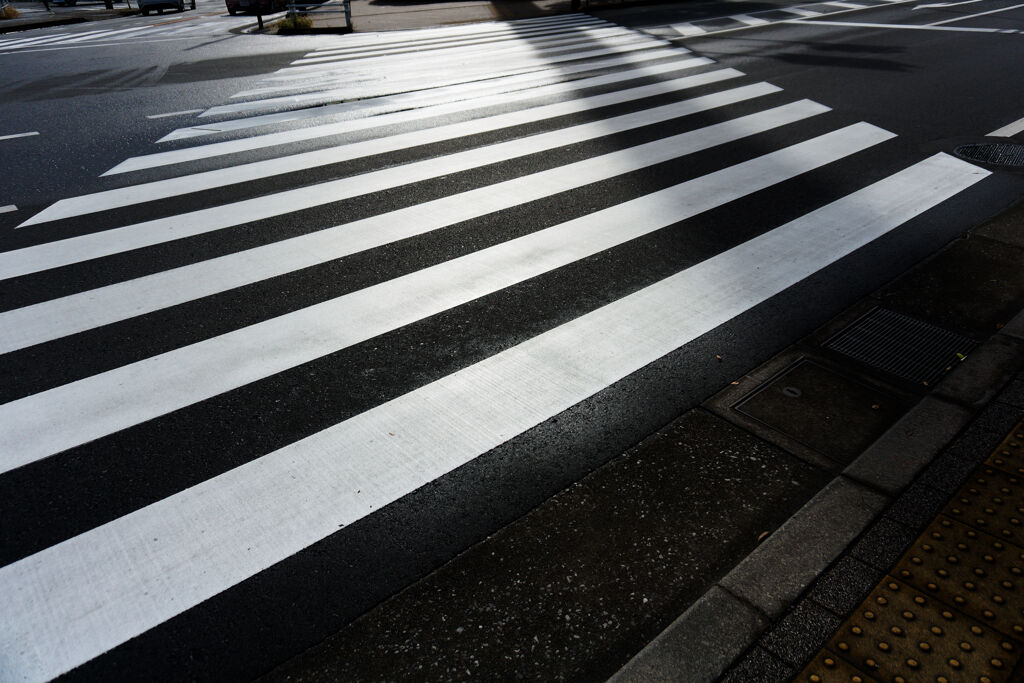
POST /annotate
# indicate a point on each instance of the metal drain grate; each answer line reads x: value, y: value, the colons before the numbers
x: 900, y: 345
x: 998, y: 153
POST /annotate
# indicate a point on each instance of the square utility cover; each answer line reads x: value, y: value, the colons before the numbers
x: 827, y: 412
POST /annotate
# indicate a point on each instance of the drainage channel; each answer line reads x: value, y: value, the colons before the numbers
x: 952, y: 609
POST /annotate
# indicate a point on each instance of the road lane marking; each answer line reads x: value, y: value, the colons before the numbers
x: 448, y: 95
x: 911, y: 27
x: 975, y: 16
x: 289, y: 201
x: 1009, y: 130
x: 172, y: 113
x: 945, y: 4
x: 687, y: 29
x: 53, y: 319
x: 8, y: 209
x: 258, y: 170
x: 19, y: 135
x: 749, y: 20
x: 52, y: 421
x: 77, y: 599
x: 415, y: 81
x: 390, y: 119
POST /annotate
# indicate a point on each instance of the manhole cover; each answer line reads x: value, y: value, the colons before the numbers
x: 825, y: 411
x: 998, y: 153
x: 900, y: 345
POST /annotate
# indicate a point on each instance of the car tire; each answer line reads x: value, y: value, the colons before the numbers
x: 232, y: 12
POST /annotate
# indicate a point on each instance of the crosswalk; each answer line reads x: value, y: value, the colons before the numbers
x: 152, y: 30
x: 352, y: 281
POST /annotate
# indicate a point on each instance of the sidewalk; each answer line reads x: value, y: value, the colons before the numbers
x: 33, y: 14
x: 732, y: 544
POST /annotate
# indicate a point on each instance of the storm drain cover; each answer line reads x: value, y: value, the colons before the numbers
x: 900, y: 345
x: 998, y: 153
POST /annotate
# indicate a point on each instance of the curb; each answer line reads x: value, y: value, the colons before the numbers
x: 734, y: 613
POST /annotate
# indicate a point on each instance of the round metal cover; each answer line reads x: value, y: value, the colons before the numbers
x: 998, y: 153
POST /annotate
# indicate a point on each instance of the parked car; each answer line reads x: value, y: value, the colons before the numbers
x: 255, y: 6
x: 160, y: 5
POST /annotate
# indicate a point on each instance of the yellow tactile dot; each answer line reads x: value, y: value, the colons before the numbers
x: 869, y: 615
x: 944, y: 573
x: 947, y: 615
x: 919, y: 600
x: 965, y: 646
x: 959, y: 600
x: 969, y: 585
x: 980, y: 573
x: 814, y: 678
x: 916, y: 560
x: 961, y: 546
x: 932, y: 587
x: 882, y: 601
x: 1006, y: 646
x: 925, y: 647
x: 884, y: 646
x: 936, y: 630
x: 856, y: 630
x: 998, y: 599
x: 941, y: 679
x: 843, y: 646
x: 896, y: 631
x: 977, y: 630
x: 829, y: 662
x: 927, y: 548
x: 894, y: 586
x: 872, y: 664
x: 997, y: 663
x: 955, y: 663
x: 988, y: 614
x: 913, y: 663
x: 905, y: 574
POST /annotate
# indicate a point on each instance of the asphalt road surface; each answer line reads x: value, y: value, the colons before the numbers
x: 289, y: 323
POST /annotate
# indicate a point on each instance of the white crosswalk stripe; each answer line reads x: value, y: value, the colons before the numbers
x: 131, y: 34
x: 498, y: 173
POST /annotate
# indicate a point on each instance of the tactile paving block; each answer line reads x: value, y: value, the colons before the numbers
x: 827, y: 667
x: 991, y: 501
x: 902, y: 634
x: 971, y: 570
x: 1009, y: 456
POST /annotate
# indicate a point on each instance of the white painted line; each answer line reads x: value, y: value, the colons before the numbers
x: 52, y: 421
x: 946, y: 4
x: 429, y: 46
x: 335, y: 190
x: 174, y: 113
x: 479, y: 58
x: 426, y: 75
x: 257, y: 170
x: 910, y: 27
x: 75, y: 600
x: 53, y: 319
x: 749, y: 20
x: 383, y: 120
x: 19, y: 135
x: 801, y: 11
x: 488, y: 49
x: 975, y: 16
x: 844, y: 5
x: 434, y: 97
x: 687, y: 29
x: 1009, y: 130
x: 105, y: 35
x: 8, y: 209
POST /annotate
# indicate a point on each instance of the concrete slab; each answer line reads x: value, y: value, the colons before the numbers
x: 984, y: 373
x: 892, y: 462
x: 699, y: 645
x: 842, y: 587
x: 773, y: 576
x: 800, y: 633
x: 759, y: 665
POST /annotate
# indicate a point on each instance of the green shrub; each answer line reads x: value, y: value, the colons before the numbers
x: 296, y: 22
